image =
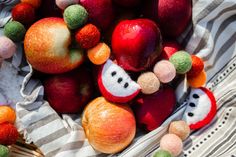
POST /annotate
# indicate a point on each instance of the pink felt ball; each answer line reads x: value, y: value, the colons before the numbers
x: 165, y: 71
x: 63, y: 4
x: 171, y: 143
x: 7, y: 48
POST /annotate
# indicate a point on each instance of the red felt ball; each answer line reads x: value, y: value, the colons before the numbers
x: 8, y: 134
x: 88, y: 36
x: 197, y: 66
x: 23, y: 13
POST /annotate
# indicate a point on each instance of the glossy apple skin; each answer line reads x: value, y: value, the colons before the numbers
x: 174, y: 16
x: 109, y: 127
x: 69, y: 92
x: 101, y: 12
x: 136, y: 44
x: 46, y: 46
x: 152, y: 110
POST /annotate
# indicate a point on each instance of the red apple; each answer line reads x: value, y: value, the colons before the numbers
x: 127, y: 3
x: 109, y: 127
x: 169, y: 48
x: 136, y: 44
x: 69, y: 92
x: 100, y: 12
x: 174, y: 16
x: 152, y: 110
x: 47, y: 44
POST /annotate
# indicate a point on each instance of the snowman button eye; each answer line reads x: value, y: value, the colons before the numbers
x: 195, y: 96
x: 191, y: 104
x: 190, y: 114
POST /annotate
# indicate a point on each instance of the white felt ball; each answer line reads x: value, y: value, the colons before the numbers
x: 63, y: 4
x: 7, y: 47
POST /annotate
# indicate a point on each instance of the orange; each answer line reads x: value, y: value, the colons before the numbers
x: 198, y: 81
x: 99, y: 54
x: 7, y: 114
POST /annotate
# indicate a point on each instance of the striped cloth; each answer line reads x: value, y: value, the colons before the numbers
x: 212, y: 36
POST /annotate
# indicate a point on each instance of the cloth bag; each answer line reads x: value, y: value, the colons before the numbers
x: 212, y: 36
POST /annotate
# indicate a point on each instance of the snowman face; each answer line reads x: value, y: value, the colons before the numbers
x: 200, y: 109
x: 116, y: 84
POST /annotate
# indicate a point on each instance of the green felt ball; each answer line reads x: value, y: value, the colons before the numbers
x: 75, y: 16
x: 182, y: 62
x: 4, y: 151
x: 15, y: 31
x: 162, y: 153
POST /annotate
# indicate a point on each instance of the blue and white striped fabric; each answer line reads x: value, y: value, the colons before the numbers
x: 212, y: 36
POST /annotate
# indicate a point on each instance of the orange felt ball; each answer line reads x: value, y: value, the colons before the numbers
x: 7, y: 114
x: 198, y: 81
x: 88, y: 36
x: 99, y: 54
x: 197, y: 66
x: 35, y: 3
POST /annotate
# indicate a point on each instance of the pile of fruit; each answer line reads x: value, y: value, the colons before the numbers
x: 115, y: 64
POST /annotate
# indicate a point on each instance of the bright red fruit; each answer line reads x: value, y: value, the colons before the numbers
x: 69, y: 92
x: 136, y: 44
x: 152, y: 110
x: 100, y: 12
x: 174, y: 16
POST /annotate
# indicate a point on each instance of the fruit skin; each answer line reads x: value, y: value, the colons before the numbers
x: 7, y: 114
x: 75, y: 16
x: 172, y: 144
x: 182, y: 62
x: 63, y: 4
x: 100, y: 12
x: 197, y: 81
x: 99, y: 54
x: 174, y: 16
x: 8, y: 48
x: 24, y: 13
x: 152, y: 110
x: 15, y: 31
x: 197, y: 66
x: 179, y: 128
x: 69, y: 92
x: 4, y: 151
x: 8, y: 134
x: 162, y: 153
x: 136, y: 44
x: 88, y: 36
x: 127, y: 3
x: 35, y: 3
x: 148, y: 82
x: 169, y: 48
x: 109, y: 127
x: 49, y: 52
